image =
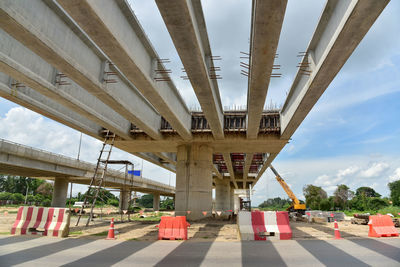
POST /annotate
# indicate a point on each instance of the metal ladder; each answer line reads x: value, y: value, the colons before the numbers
x: 97, y: 181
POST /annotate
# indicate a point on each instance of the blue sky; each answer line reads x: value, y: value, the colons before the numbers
x: 351, y: 136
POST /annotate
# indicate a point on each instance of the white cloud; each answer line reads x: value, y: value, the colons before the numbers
x: 375, y: 170
x: 395, y: 176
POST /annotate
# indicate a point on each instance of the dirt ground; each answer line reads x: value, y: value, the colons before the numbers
x: 205, y: 230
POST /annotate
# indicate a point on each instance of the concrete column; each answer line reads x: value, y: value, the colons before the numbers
x: 60, y: 192
x: 222, y: 195
x: 156, y: 201
x: 193, y: 181
x: 124, y: 198
x: 232, y: 202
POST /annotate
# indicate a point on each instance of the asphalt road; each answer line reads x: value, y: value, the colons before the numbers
x: 45, y: 251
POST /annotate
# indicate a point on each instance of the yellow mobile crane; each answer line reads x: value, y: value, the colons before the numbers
x: 296, y: 205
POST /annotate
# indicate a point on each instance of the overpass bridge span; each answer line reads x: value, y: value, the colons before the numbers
x: 17, y: 159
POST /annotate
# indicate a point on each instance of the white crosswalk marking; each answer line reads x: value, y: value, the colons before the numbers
x: 290, y: 251
x: 28, y: 243
x: 363, y: 254
x: 219, y: 254
x: 158, y: 250
x: 70, y: 255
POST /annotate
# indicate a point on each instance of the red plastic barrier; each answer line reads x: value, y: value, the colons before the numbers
x: 282, y: 219
x: 172, y: 228
x: 258, y: 224
x: 381, y: 226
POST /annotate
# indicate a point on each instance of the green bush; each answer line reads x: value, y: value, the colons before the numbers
x: 46, y: 203
x: 395, y: 210
x: 375, y: 203
x: 113, y: 202
x: 30, y: 198
x: 5, y: 196
x: 38, y: 198
x: 325, y: 204
x: 17, y: 197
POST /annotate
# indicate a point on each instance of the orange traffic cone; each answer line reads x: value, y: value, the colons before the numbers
x: 111, y: 235
x: 337, y: 233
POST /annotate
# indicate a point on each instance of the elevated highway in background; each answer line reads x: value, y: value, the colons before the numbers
x: 89, y: 65
x: 22, y: 160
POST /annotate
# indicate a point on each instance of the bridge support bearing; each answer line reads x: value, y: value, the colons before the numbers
x: 222, y: 195
x: 194, y: 181
x: 60, y: 192
x: 156, y: 201
x: 124, y: 198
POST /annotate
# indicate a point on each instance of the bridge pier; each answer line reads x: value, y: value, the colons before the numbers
x: 194, y: 181
x: 124, y: 198
x: 60, y: 192
x: 222, y: 194
x: 156, y: 201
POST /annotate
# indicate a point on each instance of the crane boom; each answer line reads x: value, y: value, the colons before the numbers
x: 296, y: 203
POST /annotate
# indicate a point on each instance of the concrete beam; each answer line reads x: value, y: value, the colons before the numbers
x: 216, y: 171
x: 267, y: 20
x: 113, y: 26
x: 31, y: 99
x: 61, y: 43
x: 247, y: 163
x: 341, y: 28
x: 167, y: 156
x: 45, y: 106
x: 186, y: 25
x: 28, y: 68
x: 228, y: 162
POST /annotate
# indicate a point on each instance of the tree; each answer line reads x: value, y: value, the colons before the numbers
x: 146, y: 201
x: 275, y: 203
x: 376, y: 203
x: 395, y: 192
x: 367, y: 192
x: 342, y: 195
x: 325, y: 204
x: 45, y: 189
x: 19, y: 184
x: 314, y: 195
x: 167, y: 204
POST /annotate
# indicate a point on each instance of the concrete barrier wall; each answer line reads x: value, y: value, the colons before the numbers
x: 258, y: 225
x: 41, y: 221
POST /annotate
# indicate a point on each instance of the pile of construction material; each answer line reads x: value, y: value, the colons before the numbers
x: 364, y: 219
x: 319, y: 216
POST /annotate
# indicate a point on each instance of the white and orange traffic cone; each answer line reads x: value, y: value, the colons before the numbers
x: 111, y: 235
x: 337, y: 233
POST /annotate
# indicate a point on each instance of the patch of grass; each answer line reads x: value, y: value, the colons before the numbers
x: 105, y: 233
x: 133, y: 239
x: 148, y: 219
x: 4, y: 233
x: 76, y: 233
x: 205, y: 237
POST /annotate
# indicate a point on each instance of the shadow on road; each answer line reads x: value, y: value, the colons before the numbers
x: 193, y: 252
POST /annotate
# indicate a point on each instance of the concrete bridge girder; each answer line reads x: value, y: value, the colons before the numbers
x: 75, y: 57
x: 115, y: 29
x: 186, y: 25
x: 341, y: 28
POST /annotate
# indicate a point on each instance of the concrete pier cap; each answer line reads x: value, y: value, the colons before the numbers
x: 193, y: 196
